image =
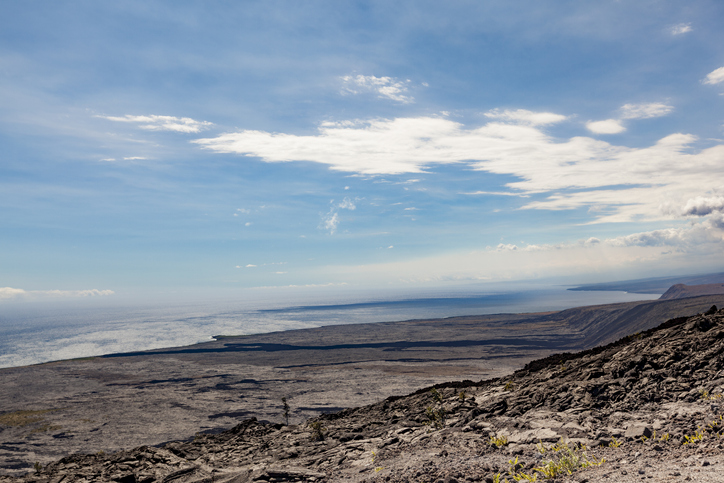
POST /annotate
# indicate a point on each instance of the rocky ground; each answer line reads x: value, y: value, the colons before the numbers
x: 647, y: 407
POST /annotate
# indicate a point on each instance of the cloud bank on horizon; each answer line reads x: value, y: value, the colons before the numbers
x: 165, y: 148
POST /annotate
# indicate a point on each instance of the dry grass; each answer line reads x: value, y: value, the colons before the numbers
x: 23, y: 418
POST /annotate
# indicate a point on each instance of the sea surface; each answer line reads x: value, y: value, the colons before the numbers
x: 33, y: 333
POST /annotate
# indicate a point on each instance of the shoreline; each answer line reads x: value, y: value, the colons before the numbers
x: 65, y: 334
x: 129, y: 400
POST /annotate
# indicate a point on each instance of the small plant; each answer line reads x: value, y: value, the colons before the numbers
x: 101, y: 453
x: 509, y: 386
x: 664, y: 437
x: 710, y: 397
x: 499, y: 441
x: 697, y: 437
x: 541, y: 447
x: 614, y: 443
x: 569, y: 460
x: 38, y: 467
x: 286, y: 410
x: 317, y: 431
x: 436, y: 417
x: 436, y: 395
x: 496, y: 478
x: 377, y: 468
x: 462, y: 395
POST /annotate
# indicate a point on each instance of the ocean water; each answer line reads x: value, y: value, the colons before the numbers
x: 36, y: 333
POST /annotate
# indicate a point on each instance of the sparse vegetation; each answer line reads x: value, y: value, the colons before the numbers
x: 614, y: 443
x: 436, y: 415
x: 38, y: 467
x: 24, y: 417
x: 462, y: 395
x: 710, y: 397
x: 436, y: 395
x: 499, y: 440
x: 697, y: 437
x: 509, y: 386
x: 46, y: 427
x: 569, y: 459
x: 286, y: 410
x: 317, y: 431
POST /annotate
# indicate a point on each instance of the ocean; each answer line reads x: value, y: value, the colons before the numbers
x: 33, y: 333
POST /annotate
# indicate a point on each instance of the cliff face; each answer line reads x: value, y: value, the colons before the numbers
x: 680, y: 291
x: 650, y: 404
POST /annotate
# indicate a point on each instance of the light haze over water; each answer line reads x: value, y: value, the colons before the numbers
x: 37, y: 333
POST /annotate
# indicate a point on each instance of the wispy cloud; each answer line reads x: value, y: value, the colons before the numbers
x: 715, y: 77
x: 163, y: 123
x: 8, y: 293
x: 526, y: 117
x: 331, y: 220
x: 681, y: 28
x: 498, y: 193
x: 609, y: 126
x: 645, y: 111
x: 625, y: 183
x: 384, y: 87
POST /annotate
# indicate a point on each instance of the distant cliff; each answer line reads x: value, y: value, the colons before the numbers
x: 680, y: 291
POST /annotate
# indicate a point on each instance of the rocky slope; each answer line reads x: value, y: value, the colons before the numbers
x: 680, y: 290
x: 648, y: 406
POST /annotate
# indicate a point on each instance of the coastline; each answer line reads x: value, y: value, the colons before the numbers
x: 45, y: 333
x: 126, y: 400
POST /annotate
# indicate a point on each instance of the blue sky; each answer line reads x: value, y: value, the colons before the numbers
x: 188, y: 147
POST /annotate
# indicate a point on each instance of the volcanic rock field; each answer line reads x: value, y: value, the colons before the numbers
x: 645, y: 407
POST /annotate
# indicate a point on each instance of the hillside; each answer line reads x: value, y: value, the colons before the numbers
x: 648, y: 404
x: 656, y: 285
x: 680, y: 291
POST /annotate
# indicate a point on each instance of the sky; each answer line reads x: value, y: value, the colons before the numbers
x: 201, y: 148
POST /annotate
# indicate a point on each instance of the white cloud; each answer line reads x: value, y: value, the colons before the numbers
x: 693, y: 247
x: 526, y: 117
x: 645, y: 111
x: 384, y: 87
x: 11, y: 293
x: 702, y: 206
x: 681, y: 28
x: 715, y: 77
x: 622, y: 184
x: 7, y: 293
x: 163, y: 123
x: 609, y: 126
x: 250, y: 265
x: 497, y: 193
x: 347, y: 204
x: 330, y: 222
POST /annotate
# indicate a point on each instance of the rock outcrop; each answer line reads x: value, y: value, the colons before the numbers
x: 649, y: 404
